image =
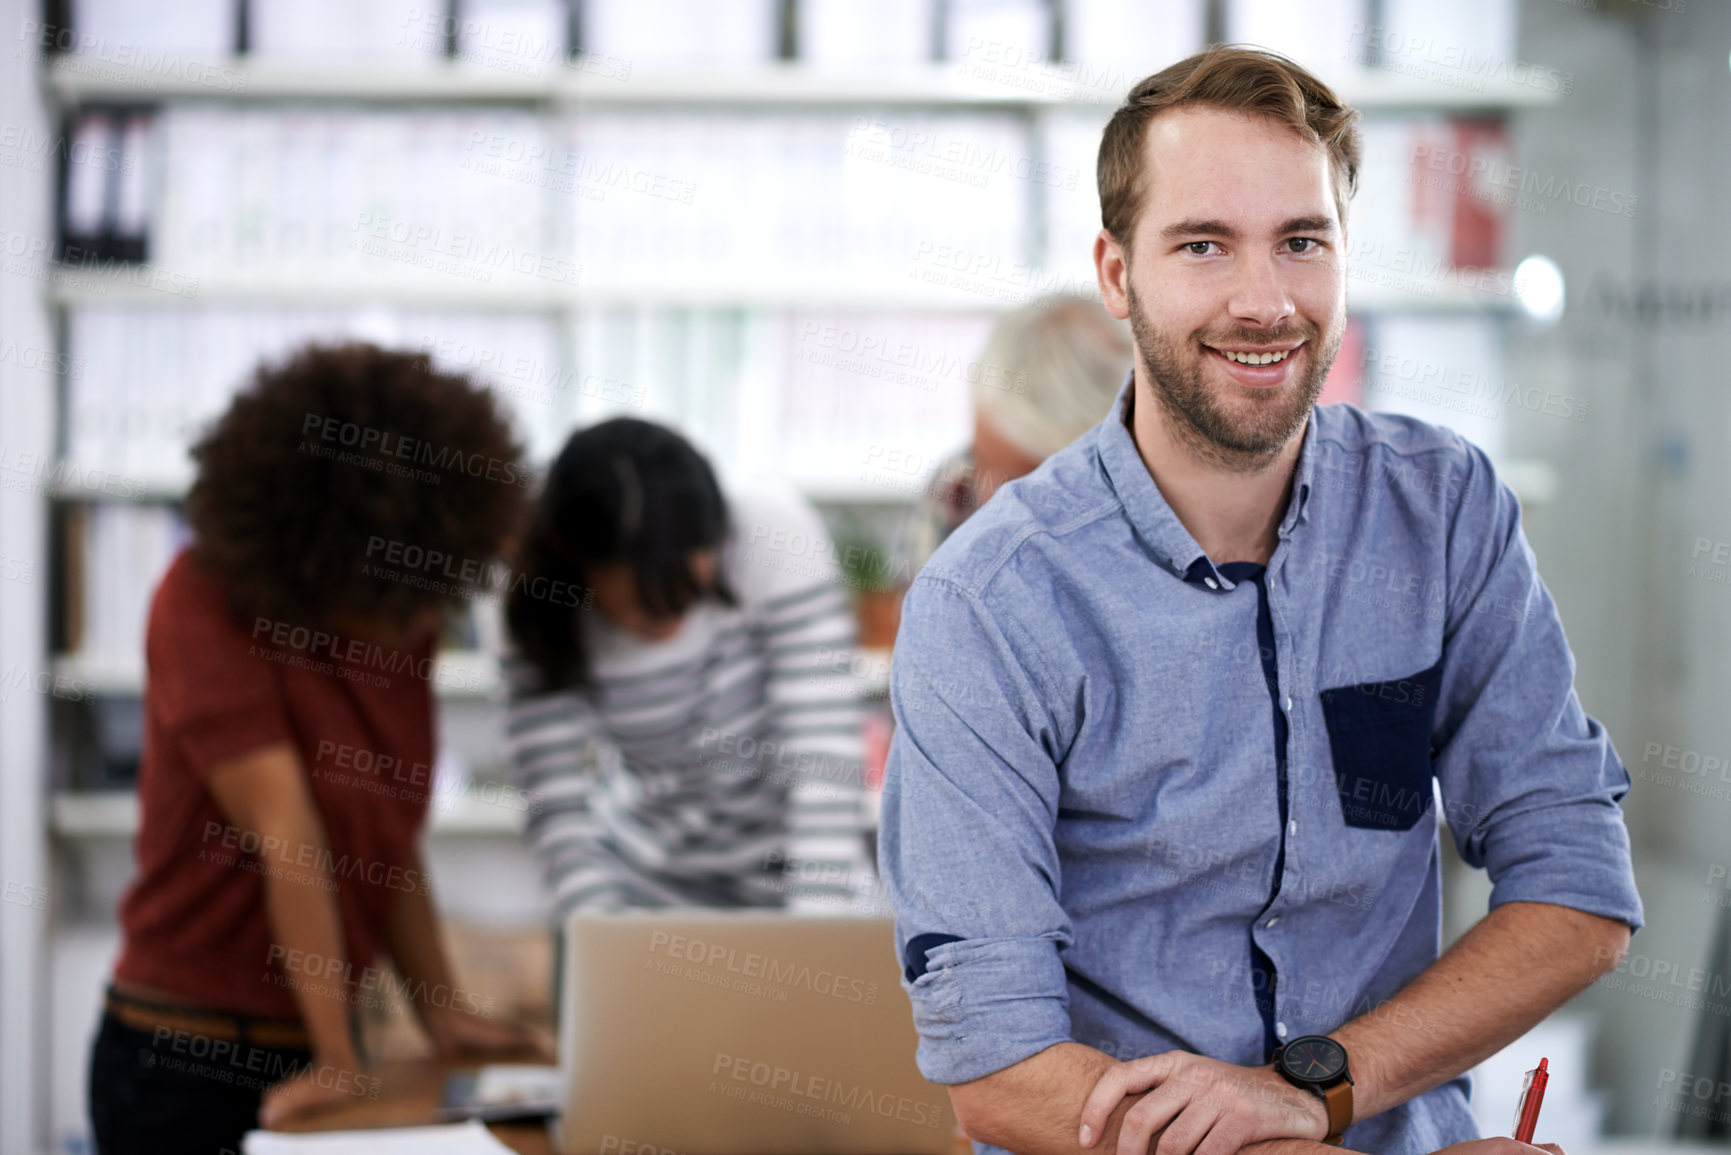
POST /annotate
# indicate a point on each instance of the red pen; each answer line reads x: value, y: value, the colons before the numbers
x: 1532, y: 1094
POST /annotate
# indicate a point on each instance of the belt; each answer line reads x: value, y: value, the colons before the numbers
x: 145, y: 1015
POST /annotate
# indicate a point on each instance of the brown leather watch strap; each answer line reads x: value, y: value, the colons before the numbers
x: 1338, y: 1099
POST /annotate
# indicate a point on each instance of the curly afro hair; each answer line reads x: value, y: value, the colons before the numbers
x: 339, y: 458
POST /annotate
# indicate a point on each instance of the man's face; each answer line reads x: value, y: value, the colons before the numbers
x: 1237, y: 250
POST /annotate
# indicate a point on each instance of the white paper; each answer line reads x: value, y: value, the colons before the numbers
x: 471, y: 1138
x: 503, y: 1083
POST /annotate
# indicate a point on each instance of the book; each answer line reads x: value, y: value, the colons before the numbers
x: 683, y: 33
x: 845, y: 34
x: 146, y: 33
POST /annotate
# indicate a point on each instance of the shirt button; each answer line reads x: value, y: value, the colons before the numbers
x: 1292, y: 826
x: 1280, y: 1029
x: 1210, y: 583
x: 1270, y: 923
x: 1289, y: 705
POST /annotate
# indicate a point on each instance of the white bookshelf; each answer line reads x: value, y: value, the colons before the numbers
x: 873, y: 295
x: 74, y: 80
x: 111, y: 814
x: 1533, y: 481
x: 457, y: 674
x: 882, y: 295
x: 168, y: 487
x: 96, y: 824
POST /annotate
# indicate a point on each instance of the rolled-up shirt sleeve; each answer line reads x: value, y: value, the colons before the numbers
x: 965, y: 841
x: 1531, y: 785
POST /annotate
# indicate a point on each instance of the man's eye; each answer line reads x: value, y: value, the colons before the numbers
x: 1307, y: 242
x: 1200, y: 248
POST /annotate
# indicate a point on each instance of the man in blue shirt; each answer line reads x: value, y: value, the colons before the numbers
x: 1174, y: 711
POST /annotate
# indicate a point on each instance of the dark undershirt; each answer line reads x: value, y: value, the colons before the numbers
x: 1261, y: 966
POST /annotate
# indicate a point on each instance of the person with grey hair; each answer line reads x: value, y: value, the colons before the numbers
x: 1048, y: 374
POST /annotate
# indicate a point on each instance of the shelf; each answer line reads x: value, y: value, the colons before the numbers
x: 457, y: 675
x: 1411, y: 293
x: 1367, y: 292
x: 114, y: 814
x: 147, y: 283
x: 73, y: 78
x: 605, y: 82
x: 1385, y: 91
x: 138, y: 285
x: 87, y: 483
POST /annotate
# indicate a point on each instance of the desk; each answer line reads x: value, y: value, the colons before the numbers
x: 408, y: 1096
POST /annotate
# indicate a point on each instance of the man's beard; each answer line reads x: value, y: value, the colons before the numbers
x: 1242, y: 434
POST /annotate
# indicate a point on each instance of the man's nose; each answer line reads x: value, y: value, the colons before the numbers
x: 1259, y: 295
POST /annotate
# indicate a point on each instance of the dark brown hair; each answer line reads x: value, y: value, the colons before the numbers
x: 623, y: 490
x: 1247, y: 80
x: 324, y: 459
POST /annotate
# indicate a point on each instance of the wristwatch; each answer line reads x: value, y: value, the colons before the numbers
x: 1318, y: 1064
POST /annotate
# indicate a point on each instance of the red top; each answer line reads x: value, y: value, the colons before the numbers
x: 360, y: 715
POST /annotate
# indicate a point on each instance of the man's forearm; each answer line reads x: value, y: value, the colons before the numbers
x: 1521, y: 962
x: 1035, y: 1107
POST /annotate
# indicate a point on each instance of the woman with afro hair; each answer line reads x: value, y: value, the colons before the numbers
x: 288, y: 750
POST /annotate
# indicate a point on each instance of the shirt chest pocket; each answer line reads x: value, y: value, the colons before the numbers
x: 1379, y: 735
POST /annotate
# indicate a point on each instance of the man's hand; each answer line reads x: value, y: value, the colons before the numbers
x: 1499, y: 1147
x: 457, y: 1036
x: 1206, y: 1106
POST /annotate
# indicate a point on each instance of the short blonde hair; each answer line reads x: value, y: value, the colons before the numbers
x: 1050, y: 372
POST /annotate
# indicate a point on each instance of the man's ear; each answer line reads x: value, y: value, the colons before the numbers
x: 1113, y: 273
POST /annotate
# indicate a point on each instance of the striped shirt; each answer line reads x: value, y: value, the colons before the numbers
x: 718, y: 767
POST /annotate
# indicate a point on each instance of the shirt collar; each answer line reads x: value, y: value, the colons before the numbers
x: 1153, y: 519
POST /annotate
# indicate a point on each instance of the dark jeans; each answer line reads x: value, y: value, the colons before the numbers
x: 171, y: 1093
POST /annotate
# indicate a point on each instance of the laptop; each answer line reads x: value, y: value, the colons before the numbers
x: 696, y: 1032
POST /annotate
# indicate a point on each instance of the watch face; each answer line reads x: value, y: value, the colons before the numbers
x: 1314, y: 1059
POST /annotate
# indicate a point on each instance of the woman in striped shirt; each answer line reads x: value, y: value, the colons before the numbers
x: 682, y: 716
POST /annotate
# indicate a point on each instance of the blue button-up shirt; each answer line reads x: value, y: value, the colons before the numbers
x: 1092, y: 832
